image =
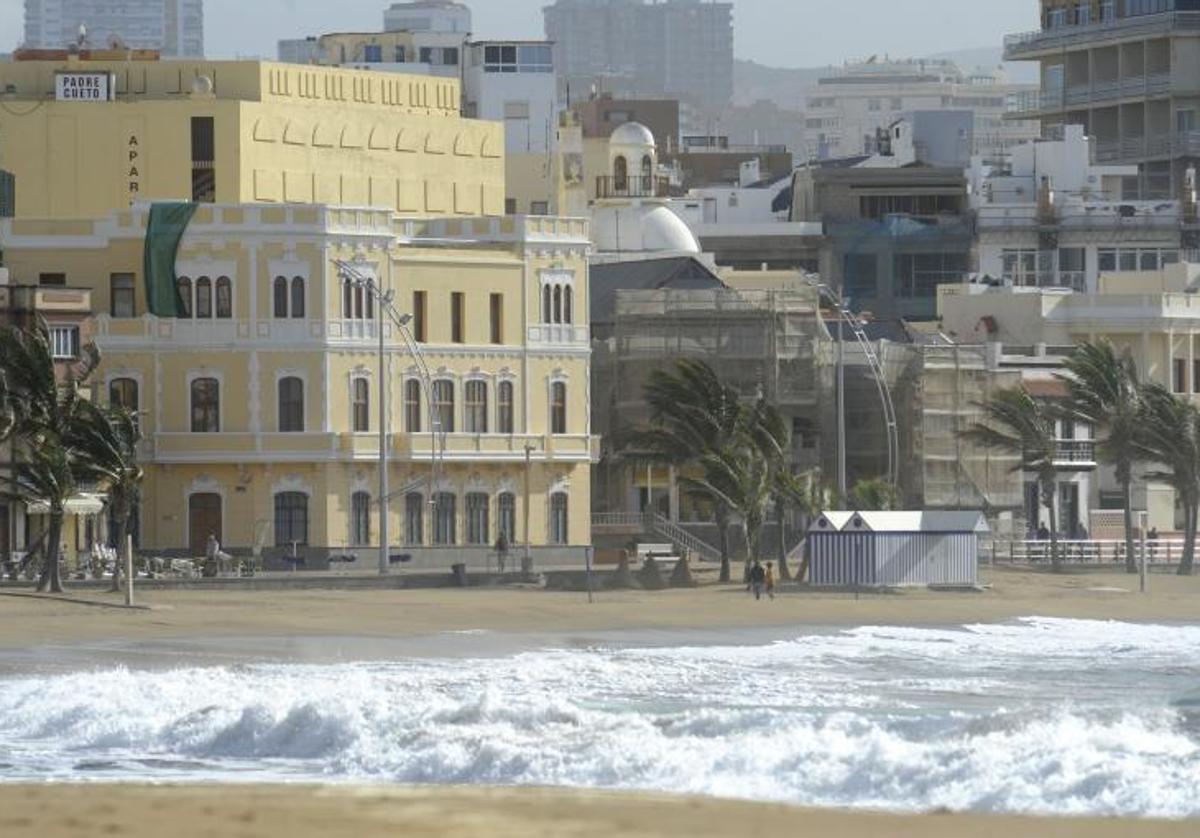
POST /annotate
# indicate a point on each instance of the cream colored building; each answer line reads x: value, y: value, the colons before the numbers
x: 244, y: 132
x: 259, y: 409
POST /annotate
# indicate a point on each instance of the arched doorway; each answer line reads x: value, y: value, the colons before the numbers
x: 204, y: 519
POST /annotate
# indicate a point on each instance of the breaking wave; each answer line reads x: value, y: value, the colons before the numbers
x: 1053, y: 716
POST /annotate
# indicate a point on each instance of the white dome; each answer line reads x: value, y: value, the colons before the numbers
x: 632, y: 133
x: 641, y: 228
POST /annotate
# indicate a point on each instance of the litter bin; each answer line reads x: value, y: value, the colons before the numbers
x: 459, y: 572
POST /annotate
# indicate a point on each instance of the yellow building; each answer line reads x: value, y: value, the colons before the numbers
x: 260, y: 408
x: 81, y: 138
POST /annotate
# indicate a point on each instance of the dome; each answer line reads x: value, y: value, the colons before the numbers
x: 632, y: 133
x: 641, y: 228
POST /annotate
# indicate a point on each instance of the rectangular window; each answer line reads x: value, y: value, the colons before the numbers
x: 361, y: 405
x: 412, y: 406
x: 559, y: 532
x: 860, y: 276
x: 449, y: 56
x: 477, y: 518
x: 1179, y: 379
x: 1196, y: 376
x: 52, y: 279
x: 414, y: 519
x: 504, y: 407
x: 426, y: 55
x: 204, y: 175
x: 8, y: 194
x: 64, y: 342
x: 445, y: 519
x: 400, y: 59
x: 510, y: 206
x: 539, y: 208
x: 360, y: 519
x: 497, y: 318
x: 558, y: 408
x: 122, y: 302
x: 457, y: 313
x: 443, y: 405
x: 506, y: 517
x: 291, y: 519
x: 373, y: 54
x: 419, y: 319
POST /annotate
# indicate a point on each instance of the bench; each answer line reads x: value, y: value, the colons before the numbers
x: 655, y: 551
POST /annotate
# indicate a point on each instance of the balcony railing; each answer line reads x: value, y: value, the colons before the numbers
x: 1028, y: 44
x: 1076, y: 452
x: 609, y: 186
x: 1130, y: 149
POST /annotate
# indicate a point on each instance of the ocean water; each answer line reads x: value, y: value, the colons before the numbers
x: 1039, y: 715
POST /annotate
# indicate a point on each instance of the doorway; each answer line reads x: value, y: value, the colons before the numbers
x: 204, y: 519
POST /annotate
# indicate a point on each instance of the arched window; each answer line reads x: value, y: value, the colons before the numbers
x: 559, y: 533
x: 506, y: 516
x: 647, y: 169
x: 297, y: 297
x: 558, y: 408
x: 620, y: 174
x: 358, y: 302
x: 291, y: 405
x: 183, y: 286
x: 347, y: 300
x: 414, y: 519
x: 280, y: 294
x: 204, y: 298
x: 224, y: 297
x: 475, y: 407
x: 547, y: 305
x: 477, y: 518
x: 291, y: 519
x: 206, y: 406
x: 361, y: 407
x: 558, y: 304
x: 360, y: 519
x: 443, y: 405
x: 504, y: 407
x: 123, y: 393
x: 445, y: 519
x: 412, y: 406
x: 568, y: 304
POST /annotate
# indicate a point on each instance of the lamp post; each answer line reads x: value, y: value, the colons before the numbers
x: 527, y: 560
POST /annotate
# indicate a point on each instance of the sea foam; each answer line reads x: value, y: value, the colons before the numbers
x: 1051, y: 716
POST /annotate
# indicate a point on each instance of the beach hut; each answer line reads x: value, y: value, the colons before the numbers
x: 895, y: 549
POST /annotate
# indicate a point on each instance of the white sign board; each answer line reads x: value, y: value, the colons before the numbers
x: 83, y: 87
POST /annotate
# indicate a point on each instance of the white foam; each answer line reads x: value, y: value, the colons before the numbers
x: 1036, y: 716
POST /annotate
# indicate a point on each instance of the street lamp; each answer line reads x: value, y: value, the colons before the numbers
x: 355, y: 276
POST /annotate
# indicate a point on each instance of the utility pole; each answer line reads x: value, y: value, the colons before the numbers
x: 527, y: 561
x: 841, y: 406
x: 384, y: 559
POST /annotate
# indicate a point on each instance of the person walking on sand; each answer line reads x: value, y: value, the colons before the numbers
x: 757, y: 578
x: 769, y: 580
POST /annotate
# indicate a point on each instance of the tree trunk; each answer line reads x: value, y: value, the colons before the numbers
x: 784, y: 574
x: 50, y: 578
x: 1131, y: 565
x: 1048, y: 498
x: 119, y: 540
x: 1189, y: 537
x: 723, y: 532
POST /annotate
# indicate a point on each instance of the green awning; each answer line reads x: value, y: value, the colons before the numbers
x: 164, y: 230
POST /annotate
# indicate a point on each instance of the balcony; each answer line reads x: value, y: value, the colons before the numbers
x: 1027, y: 45
x: 45, y: 299
x: 558, y: 334
x: 608, y: 186
x: 1076, y: 453
x: 1134, y: 149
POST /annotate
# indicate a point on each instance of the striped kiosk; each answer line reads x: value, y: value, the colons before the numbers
x: 895, y: 549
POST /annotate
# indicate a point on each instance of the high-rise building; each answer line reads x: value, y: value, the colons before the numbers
x: 175, y: 27
x: 428, y: 16
x: 679, y: 48
x: 1127, y: 72
x: 847, y: 108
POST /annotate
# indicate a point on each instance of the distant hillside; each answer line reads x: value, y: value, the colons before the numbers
x: 785, y: 86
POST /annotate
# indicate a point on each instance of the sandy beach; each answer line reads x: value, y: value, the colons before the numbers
x: 40, y: 633
x: 26, y: 621
x: 300, y: 811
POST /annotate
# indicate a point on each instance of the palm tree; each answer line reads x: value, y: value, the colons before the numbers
x: 693, y: 416
x: 1170, y: 436
x: 873, y: 494
x: 1105, y: 392
x: 108, y: 439
x: 739, y: 478
x: 43, y: 414
x: 1018, y: 424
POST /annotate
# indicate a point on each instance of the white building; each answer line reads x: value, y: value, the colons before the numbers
x: 513, y: 82
x: 428, y: 16
x: 848, y: 108
x: 1054, y: 219
x: 176, y: 27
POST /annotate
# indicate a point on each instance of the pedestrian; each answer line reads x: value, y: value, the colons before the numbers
x: 758, y: 578
x: 770, y: 580
x: 502, y: 550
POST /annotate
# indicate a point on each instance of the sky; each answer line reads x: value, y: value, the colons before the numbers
x: 781, y: 33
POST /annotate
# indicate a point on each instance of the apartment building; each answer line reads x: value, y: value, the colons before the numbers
x: 847, y: 109
x: 677, y: 48
x: 399, y: 51
x: 241, y: 132
x: 260, y: 404
x: 1053, y: 219
x: 174, y: 27
x: 1129, y: 72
